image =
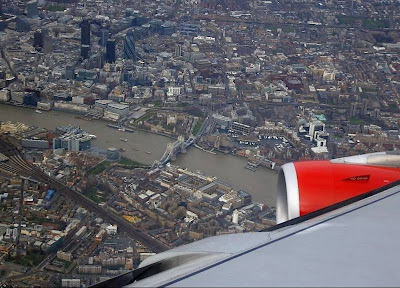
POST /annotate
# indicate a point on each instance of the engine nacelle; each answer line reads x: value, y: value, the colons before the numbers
x: 307, y: 186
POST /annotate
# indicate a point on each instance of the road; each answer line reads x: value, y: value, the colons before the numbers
x: 19, y: 166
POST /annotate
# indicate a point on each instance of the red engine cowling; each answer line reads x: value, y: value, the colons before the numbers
x: 307, y: 186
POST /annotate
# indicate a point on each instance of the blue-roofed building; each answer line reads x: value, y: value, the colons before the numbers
x: 49, y: 195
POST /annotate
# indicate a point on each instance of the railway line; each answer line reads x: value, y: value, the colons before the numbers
x: 18, y: 166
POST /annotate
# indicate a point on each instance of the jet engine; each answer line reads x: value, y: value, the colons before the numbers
x: 308, y: 186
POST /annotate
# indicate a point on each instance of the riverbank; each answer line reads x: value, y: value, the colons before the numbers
x: 227, y: 167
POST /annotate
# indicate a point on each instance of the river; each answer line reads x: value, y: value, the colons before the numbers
x: 261, y: 184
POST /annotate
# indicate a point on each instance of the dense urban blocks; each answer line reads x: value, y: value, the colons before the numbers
x: 267, y: 81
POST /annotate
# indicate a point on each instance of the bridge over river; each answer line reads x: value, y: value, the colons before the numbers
x: 180, y: 145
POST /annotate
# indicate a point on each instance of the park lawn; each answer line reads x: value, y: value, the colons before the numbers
x: 145, y: 117
x: 366, y: 22
x: 356, y: 121
x: 55, y: 8
x: 197, y: 127
x: 132, y: 163
x: 39, y: 220
x: 375, y: 24
x: 157, y: 104
x: 92, y: 195
x: 99, y: 168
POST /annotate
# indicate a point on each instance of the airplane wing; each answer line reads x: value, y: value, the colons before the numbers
x: 351, y: 242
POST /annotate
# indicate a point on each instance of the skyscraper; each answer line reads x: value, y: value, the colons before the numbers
x: 47, y: 41
x: 85, y: 49
x: 32, y: 9
x: 353, y: 109
x: 364, y: 109
x: 110, y: 51
x: 85, y: 38
x: 103, y: 37
x: 70, y: 72
x: 47, y: 44
x: 85, y: 32
x: 129, y: 46
x: 178, y: 50
x: 38, y: 39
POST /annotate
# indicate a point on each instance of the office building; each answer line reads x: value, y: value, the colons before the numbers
x: 32, y: 9
x: 3, y: 24
x: 189, y: 29
x: 222, y: 121
x: 72, y: 142
x: 30, y: 99
x: 71, y: 283
x: 110, y: 51
x: 102, y: 103
x: 85, y: 49
x: 316, y: 128
x: 119, y: 109
x: 103, y: 37
x: 85, y: 32
x: 178, y: 50
x: 129, y: 46
x: 364, y: 109
x: 168, y: 28
x: 38, y: 39
x: 240, y: 128
x: 353, y: 109
x: 47, y: 44
x: 22, y: 24
x: 70, y: 72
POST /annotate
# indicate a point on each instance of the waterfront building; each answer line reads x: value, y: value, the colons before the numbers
x: 35, y: 143
x: 113, y: 154
x: 5, y: 95
x: 102, y: 103
x: 72, y: 142
x: 119, y: 109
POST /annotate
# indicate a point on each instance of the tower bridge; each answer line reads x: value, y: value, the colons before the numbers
x: 174, y: 148
x: 180, y: 145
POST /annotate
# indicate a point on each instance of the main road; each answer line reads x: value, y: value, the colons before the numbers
x: 17, y: 165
